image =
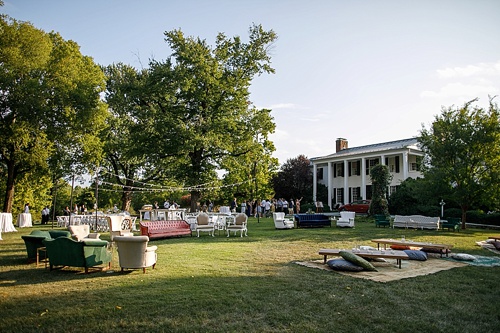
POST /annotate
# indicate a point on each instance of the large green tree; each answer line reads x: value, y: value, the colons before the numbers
x: 50, y: 108
x: 199, y: 103
x: 129, y: 162
x: 463, y: 154
x: 294, y: 180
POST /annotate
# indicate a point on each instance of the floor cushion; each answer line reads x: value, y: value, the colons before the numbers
x: 496, y: 244
x: 463, y: 256
x: 357, y: 260
x: 400, y: 247
x: 416, y: 255
x: 343, y: 265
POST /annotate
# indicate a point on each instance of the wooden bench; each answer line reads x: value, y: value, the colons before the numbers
x: 442, y: 248
x: 415, y: 221
x: 390, y: 254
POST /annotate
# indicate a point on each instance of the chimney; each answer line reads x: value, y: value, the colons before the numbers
x: 341, y: 144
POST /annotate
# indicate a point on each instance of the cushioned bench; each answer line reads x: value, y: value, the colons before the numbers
x: 312, y: 220
x: 161, y: 229
x: 415, y: 221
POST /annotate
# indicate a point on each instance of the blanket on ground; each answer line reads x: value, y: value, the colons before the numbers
x: 387, y: 271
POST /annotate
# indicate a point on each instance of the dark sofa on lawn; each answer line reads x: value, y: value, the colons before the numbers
x: 312, y: 220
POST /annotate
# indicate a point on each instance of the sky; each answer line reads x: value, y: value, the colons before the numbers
x: 369, y: 71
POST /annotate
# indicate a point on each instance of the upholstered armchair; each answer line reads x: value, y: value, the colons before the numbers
x: 203, y: 224
x: 115, y: 223
x: 240, y: 224
x: 64, y: 251
x: 34, y: 240
x: 346, y: 219
x: 134, y: 252
x: 280, y: 222
x: 82, y: 232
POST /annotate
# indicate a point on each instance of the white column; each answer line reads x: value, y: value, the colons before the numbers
x: 329, y: 185
x: 405, y: 165
x: 382, y: 159
x: 346, y: 182
x: 363, y: 178
x: 315, y: 179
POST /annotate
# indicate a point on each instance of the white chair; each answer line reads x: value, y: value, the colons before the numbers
x: 240, y: 224
x: 203, y: 224
x: 280, y: 222
x: 82, y: 232
x: 346, y: 219
x: 134, y: 252
x: 115, y: 227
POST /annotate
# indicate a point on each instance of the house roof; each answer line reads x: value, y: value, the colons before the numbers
x: 411, y: 143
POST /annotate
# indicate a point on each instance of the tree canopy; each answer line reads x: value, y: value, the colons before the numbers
x: 294, y: 179
x: 50, y: 108
x: 463, y: 154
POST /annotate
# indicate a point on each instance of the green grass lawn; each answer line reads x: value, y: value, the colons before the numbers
x: 250, y: 284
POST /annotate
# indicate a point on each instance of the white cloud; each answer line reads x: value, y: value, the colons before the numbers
x: 458, y: 89
x: 481, y: 69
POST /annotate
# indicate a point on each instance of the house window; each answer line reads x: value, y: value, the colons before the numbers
x: 354, y: 168
x: 370, y: 164
x: 355, y: 193
x: 319, y: 174
x: 340, y: 170
x: 392, y: 189
x: 340, y: 195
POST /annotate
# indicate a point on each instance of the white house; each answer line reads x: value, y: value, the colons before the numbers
x: 346, y: 173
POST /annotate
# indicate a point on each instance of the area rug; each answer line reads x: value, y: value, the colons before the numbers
x: 488, y: 246
x: 388, y: 271
x: 483, y: 261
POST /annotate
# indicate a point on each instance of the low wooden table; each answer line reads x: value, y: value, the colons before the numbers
x: 389, y: 254
x: 443, y: 248
x: 45, y: 258
x: 494, y: 237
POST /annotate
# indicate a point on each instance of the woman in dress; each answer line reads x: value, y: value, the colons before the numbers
x: 297, y: 205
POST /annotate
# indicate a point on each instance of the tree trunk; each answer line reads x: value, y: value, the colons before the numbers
x: 9, y: 192
x: 464, y: 216
x: 195, y: 196
x: 126, y: 199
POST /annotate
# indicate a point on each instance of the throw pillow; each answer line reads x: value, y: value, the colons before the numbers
x: 416, y: 255
x: 400, y: 247
x: 357, y: 260
x: 430, y: 250
x: 343, y: 265
x: 496, y: 244
x: 463, y: 256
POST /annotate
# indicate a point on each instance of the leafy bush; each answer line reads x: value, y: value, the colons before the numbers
x: 479, y: 217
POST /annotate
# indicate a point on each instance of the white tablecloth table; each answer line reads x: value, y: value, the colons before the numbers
x: 24, y: 220
x: 6, y: 224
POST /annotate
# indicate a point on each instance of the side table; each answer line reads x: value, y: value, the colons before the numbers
x: 45, y: 258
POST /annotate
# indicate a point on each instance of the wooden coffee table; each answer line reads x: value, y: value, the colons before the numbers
x: 389, y: 254
x: 443, y: 248
x: 494, y: 237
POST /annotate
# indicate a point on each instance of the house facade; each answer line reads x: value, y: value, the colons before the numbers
x: 346, y: 173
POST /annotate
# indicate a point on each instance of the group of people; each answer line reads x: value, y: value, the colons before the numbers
x: 265, y: 207
x: 166, y: 205
x: 82, y: 209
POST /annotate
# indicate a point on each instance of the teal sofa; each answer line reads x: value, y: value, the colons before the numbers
x: 35, y: 240
x: 64, y: 251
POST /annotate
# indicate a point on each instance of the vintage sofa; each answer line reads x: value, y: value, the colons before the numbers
x: 162, y: 229
x: 312, y: 220
x: 35, y: 239
x: 64, y: 251
x: 415, y: 221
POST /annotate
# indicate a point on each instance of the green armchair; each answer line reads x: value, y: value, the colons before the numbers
x: 34, y: 240
x: 451, y: 223
x: 382, y: 220
x: 68, y: 252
